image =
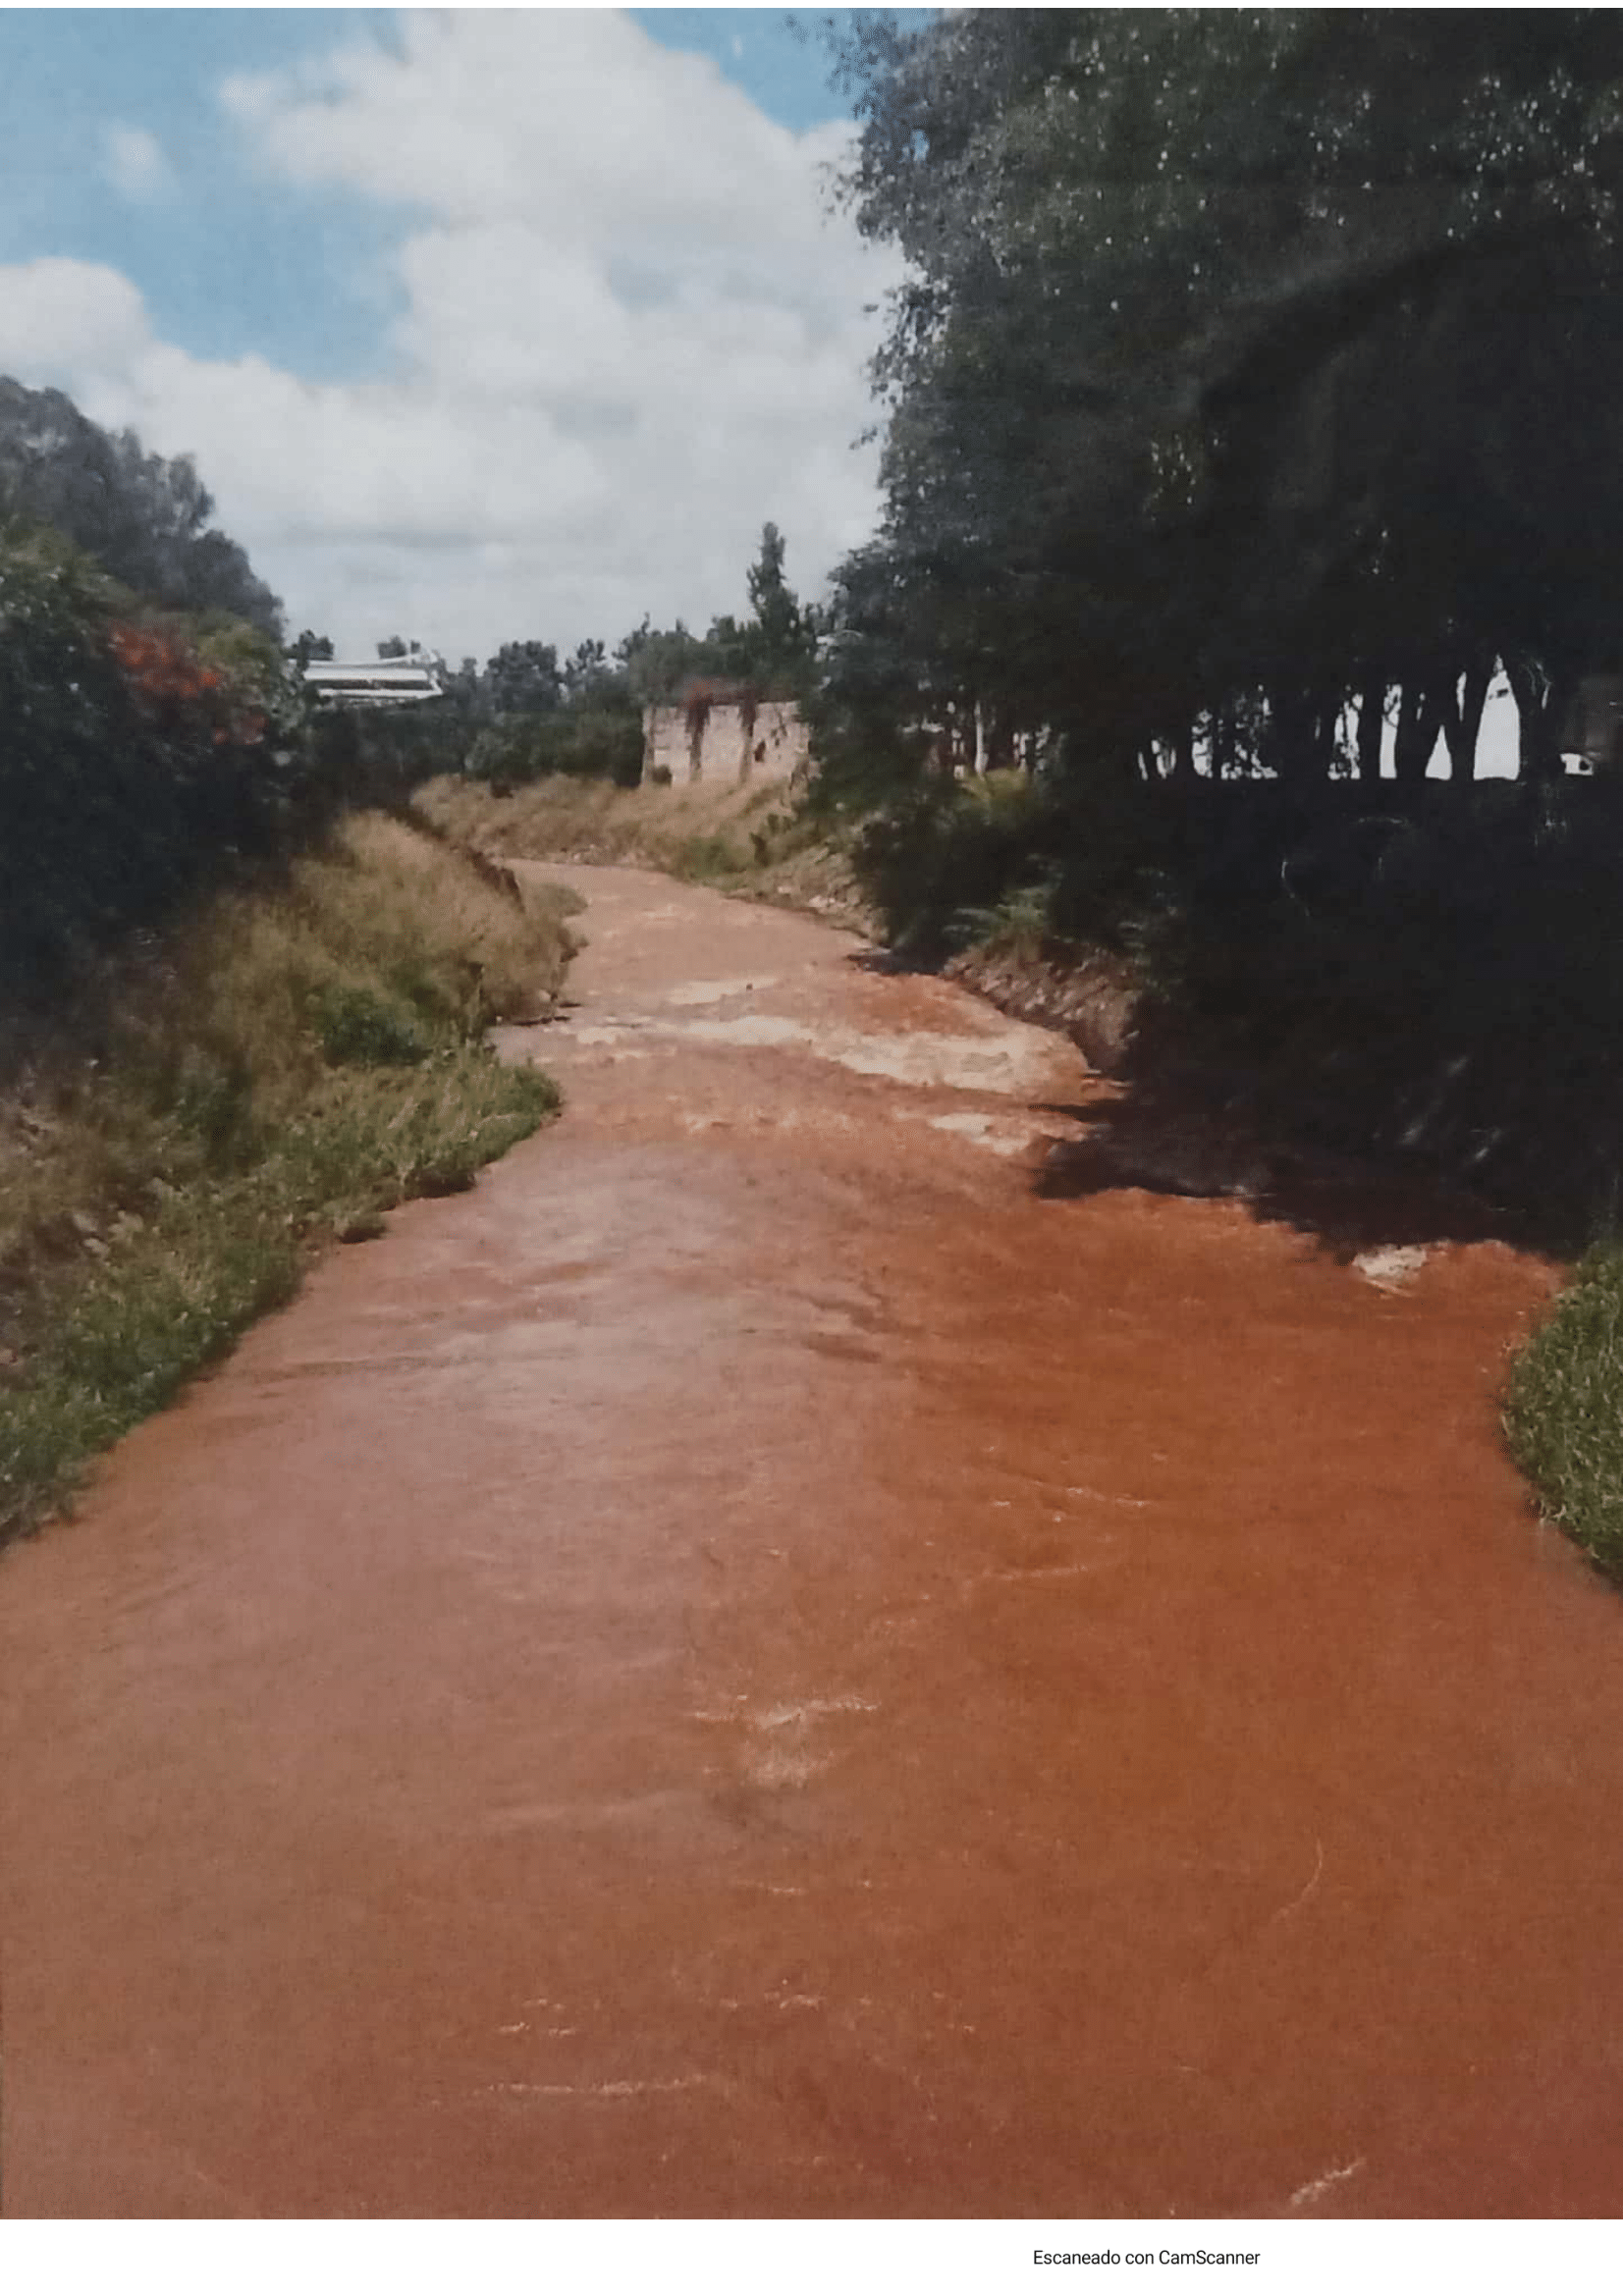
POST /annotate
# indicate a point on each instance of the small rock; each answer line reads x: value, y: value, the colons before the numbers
x: 1391, y: 1265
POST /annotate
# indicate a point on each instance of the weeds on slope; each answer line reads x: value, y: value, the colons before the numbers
x: 281, y: 1070
x: 692, y: 829
x: 759, y: 840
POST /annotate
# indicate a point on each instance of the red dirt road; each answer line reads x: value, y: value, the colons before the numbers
x: 760, y: 1665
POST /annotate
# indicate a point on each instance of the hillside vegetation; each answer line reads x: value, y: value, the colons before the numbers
x: 275, y: 1070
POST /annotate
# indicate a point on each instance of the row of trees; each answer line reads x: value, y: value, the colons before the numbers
x: 1253, y: 386
x: 773, y: 652
x: 530, y: 711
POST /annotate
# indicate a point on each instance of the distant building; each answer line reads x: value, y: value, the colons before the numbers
x: 384, y: 684
x: 722, y: 733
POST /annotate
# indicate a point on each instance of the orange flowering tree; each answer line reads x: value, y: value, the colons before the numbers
x: 140, y: 754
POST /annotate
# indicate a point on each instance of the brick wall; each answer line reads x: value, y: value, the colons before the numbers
x: 731, y: 750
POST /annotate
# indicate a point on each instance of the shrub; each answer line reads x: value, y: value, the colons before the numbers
x: 601, y: 744
x: 143, y: 754
x: 358, y: 1027
x: 708, y: 858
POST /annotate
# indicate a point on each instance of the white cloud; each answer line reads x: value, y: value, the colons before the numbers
x: 64, y: 322
x: 134, y: 163
x: 631, y: 334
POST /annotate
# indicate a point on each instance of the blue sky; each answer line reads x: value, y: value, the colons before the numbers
x: 228, y: 259
x: 292, y: 223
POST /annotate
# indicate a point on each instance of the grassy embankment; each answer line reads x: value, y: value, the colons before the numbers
x: 1564, y: 1410
x: 276, y: 1071
x: 757, y: 841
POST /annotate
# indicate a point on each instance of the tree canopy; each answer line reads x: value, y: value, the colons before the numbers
x: 1262, y: 352
x: 144, y: 519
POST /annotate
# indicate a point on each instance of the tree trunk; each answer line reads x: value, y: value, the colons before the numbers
x: 1542, y: 698
x: 1372, y: 727
x: 1299, y: 736
x: 1183, y: 754
x: 1223, y: 745
x: 1462, y: 719
x: 1418, y: 723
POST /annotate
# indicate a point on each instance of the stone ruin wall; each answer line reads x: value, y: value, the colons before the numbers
x: 731, y: 750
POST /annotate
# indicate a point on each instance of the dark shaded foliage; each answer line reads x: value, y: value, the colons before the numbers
x: 139, y: 756
x: 605, y: 743
x: 1248, y: 363
x: 1432, y: 974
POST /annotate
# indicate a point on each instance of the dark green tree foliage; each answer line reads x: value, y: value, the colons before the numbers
x: 140, y: 755
x: 600, y: 743
x: 658, y: 663
x: 773, y: 652
x: 144, y: 519
x: 523, y: 676
x: 528, y: 716
x: 783, y: 636
x: 1248, y: 355
x: 592, y: 680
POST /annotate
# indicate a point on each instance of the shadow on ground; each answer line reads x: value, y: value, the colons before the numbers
x: 1180, y: 1143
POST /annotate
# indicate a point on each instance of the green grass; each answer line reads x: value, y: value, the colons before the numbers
x: 709, y: 859
x: 290, y: 1067
x: 1020, y: 924
x: 1564, y: 1410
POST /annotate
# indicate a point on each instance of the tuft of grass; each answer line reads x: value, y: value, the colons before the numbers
x: 1020, y: 924
x: 708, y: 859
x: 1564, y: 1408
x: 358, y: 1026
x: 282, y: 1070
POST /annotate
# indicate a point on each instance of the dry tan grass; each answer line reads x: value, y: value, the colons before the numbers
x: 118, y: 1092
x: 755, y: 840
x: 284, y: 1066
x: 566, y: 818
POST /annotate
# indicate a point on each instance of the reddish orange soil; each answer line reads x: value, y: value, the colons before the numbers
x: 762, y: 1663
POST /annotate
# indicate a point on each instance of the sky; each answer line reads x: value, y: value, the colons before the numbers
x: 479, y: 325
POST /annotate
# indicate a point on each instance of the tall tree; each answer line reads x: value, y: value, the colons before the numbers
x: 1227, y: 352
x: 779, y: 625
x: 523, y: 677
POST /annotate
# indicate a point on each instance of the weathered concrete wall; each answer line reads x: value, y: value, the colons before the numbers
x: 731, y: 749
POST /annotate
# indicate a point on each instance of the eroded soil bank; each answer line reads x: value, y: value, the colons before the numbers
x: 783, y: 1657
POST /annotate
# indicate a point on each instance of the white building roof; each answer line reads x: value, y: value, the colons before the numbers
x: 396, y: 681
